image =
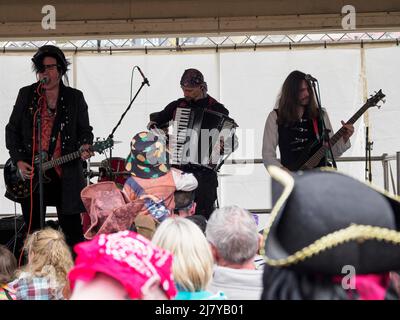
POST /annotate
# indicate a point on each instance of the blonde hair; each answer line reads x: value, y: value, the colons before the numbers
x: 193, y: 262
x: 48, y: 255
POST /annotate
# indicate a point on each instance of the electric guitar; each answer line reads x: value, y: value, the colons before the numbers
x: 19, y: 188
x: 306, y: 162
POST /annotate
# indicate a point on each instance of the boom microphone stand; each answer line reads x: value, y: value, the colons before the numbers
x: 144, y: 82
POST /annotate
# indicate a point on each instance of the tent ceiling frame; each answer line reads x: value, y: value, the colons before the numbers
x: 102, y: 29
x: 220, y: 42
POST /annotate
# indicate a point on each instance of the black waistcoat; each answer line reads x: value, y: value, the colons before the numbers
x: 295, y: 141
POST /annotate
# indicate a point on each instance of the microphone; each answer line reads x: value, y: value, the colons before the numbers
x: 44, y: 80
x: 309, y: 77
x: 145, y: 80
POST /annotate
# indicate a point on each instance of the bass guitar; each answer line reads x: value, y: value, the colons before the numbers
x: 306, y: 162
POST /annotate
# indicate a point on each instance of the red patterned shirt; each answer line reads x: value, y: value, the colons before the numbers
x: 47, y: 127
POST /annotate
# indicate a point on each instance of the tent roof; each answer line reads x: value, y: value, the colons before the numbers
x: 144, y: 18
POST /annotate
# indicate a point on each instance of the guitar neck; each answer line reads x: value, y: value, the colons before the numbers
x: 336, y: 137
x: 59, y: 161
x: 317, y: 156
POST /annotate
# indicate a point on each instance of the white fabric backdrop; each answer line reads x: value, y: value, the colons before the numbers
x: 247, y: 83
x: 383, y: 65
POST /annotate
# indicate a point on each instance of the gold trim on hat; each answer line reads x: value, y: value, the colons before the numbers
x: 354, y: 232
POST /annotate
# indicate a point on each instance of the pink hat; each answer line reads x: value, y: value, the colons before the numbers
x: 127, y: 257
x: 108, y: 209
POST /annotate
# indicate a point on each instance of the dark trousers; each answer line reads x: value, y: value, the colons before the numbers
x: 206, y: 192
x: 69, y: 223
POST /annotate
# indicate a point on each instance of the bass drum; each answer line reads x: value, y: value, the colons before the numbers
x: 113, y: 169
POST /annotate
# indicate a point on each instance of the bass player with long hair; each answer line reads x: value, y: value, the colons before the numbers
x: 294, y: 125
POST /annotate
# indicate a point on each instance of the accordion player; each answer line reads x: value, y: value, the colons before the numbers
x: 200, y: 136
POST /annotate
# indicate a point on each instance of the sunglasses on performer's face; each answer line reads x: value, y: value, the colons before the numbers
x: 49, y: 67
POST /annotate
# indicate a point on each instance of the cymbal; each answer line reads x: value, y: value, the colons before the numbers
x: 121, y: 173
x: 116, y: 141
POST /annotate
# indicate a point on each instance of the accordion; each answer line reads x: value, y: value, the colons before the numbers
x: 201, y: 137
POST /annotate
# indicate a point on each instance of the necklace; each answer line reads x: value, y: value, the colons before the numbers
x: 51, y: 111
x: 51, y: 100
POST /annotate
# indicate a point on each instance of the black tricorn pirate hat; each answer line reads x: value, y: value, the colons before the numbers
x: 322, y: 221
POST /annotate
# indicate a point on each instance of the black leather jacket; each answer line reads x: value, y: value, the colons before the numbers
x: 74, y: 131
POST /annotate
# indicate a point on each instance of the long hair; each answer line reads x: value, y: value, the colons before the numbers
x: 48, y: 255
x: 288, y: 100
x: 193, y: 262
x: 8, y: 265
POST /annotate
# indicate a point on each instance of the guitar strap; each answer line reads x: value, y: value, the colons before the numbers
x: 315, y: 125
x: 34, y: 97
x: 60, y: 118
x: 54, y: 133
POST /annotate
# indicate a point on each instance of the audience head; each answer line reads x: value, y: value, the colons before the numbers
x: 184, y: 203
x: 233, y: 235
x: 145, y: 225
x: 122, y: 265
x: 348, y: 232
x: 193, y: 263
x: 48, y: 255
x: 8, y: 265
x: 148, y: 158
x: 200, y: 221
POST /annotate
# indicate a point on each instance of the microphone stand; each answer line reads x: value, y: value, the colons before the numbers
x: 111, y: 135
x: 325, y: 132
x: 368, y: 164
x: 88, y: 172
x: 40, y: 152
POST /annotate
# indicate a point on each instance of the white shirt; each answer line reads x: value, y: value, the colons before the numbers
x: 184, y: 181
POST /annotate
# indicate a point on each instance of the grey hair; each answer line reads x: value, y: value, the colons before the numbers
x: 233, y: 232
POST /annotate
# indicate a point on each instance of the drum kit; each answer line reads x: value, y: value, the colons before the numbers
x: 113, y: 169
x: 110, y: 169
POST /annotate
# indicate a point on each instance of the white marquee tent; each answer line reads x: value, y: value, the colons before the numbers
x: 246, y: 80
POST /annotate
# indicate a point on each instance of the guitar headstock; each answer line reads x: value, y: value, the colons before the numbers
x: 100, y: 146
x: 376, y: 98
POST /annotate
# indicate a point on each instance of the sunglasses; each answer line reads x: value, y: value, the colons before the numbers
x: 49, y: 67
